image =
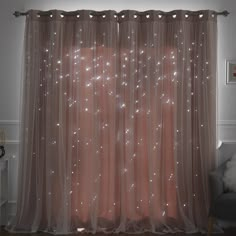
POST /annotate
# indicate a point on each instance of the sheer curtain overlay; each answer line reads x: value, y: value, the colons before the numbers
x: 118, y: 122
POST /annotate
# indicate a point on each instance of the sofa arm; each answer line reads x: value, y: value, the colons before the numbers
x: 216, y: 182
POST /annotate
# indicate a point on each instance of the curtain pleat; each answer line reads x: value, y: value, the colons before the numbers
x: 118, y: 125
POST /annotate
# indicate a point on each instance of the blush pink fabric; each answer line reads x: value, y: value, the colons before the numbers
x: 118, y: 122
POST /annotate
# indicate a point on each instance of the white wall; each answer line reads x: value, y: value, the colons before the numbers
x: 11, y: 48
x: 226, y: 93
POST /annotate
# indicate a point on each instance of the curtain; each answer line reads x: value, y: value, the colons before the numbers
x: 118, y: 122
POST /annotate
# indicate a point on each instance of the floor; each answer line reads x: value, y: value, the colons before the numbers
x: 228, y: 232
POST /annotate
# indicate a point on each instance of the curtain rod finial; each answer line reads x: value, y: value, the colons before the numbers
x: 225, y: 13
x: 17, y: 14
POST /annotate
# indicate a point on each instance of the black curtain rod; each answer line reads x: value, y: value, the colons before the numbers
x: 18, y: 13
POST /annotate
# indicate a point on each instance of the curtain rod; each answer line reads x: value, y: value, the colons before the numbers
x: 18, y: 13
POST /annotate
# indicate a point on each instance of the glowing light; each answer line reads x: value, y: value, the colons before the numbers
x: 123, y: 105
